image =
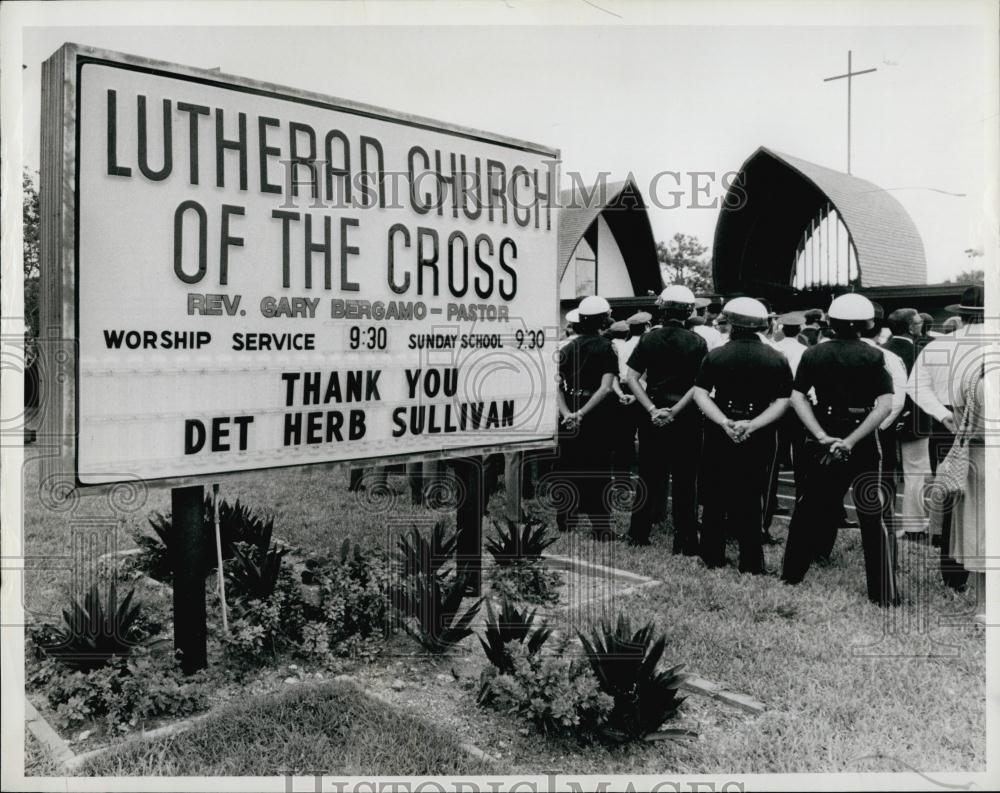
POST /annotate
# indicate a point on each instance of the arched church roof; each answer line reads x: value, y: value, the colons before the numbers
x: 773, y: 200
x: 624, y: 210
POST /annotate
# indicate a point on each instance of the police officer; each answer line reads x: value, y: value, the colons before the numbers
x: 743, y: 389
x: 587, y: 369
x: 853, y: 396
x: 670, y: 426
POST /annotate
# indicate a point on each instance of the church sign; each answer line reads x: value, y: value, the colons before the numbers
x: 254, y: 276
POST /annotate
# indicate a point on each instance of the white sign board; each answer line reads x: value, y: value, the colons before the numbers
x: 263, y: 277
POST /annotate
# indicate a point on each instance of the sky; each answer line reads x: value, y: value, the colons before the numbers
x: 645, y: 100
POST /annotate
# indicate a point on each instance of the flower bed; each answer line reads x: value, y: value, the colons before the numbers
x: 295, y: 617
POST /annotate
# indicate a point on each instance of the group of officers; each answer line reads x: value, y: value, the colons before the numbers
x: 717, y: 401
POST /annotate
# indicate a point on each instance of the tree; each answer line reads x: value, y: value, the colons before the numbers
x: 30, y: 214
x: 682, y: 262
x: 968, y: 277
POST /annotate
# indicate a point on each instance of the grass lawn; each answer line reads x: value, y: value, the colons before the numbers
x: 848, y: 686
x: 313, y: 729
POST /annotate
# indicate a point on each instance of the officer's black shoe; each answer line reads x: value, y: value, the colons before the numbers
x: 767, y: 539
x: 848, y: 524
x: 936, y: 540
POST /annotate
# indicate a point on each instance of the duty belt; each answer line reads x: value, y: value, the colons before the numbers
x: 739, y: 408
x: 843, y: 412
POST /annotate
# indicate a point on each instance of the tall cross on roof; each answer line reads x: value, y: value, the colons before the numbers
x: 850, y: 75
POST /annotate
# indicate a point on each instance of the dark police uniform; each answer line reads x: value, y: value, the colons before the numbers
x: 670, y: 356
x: 585, y: 452
x: 747, y: 376
x: 849, y: 376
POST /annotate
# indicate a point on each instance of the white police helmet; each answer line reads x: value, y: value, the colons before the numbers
x: 745, y: 312
x: 573, y: 316
x: 677, y: 295
x: 593, y: 306
x: 851, y: 307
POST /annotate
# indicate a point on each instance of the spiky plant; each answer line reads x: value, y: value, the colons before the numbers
x: 434, y: 606
x: 253, y: 574
x: 518, y: 542
x: 237, y: 523
x: 625, y: 665
x: 511, y: 626
x: 419, y: 556
x: 94, y: 631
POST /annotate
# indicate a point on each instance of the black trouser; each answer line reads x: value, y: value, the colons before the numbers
x: 813, y: 528
x: 668, y: 454
x: 583, y: 484
x: 939, y: 443
x: 734, y: 496
x: 890, y: 466
x: 791, y: 438
x: 623, y: 444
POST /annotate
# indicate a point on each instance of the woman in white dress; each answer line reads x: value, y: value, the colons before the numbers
x: 968, y: 528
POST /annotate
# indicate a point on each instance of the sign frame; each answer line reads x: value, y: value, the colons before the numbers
x: 59, y: 243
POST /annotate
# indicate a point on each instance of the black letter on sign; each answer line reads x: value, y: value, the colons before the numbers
x: 458, y: 235
x: 398, y: 289
x: 286, y: 218
x: 421, y: 207
x: 429, y: 262
x: 266, y: 151
x: 308, y: 160
x: 193, y: 112
x: 504, y: 244
x: 168, y: 149
x: 226, y: 241
x: 345, y: 251
x: 484, y: 266
x: 343, y: 172
x: 179, y: 239
x: 372, y: 143
x: 114, y: 169
x: 194, y: 436
x: 221, y: 144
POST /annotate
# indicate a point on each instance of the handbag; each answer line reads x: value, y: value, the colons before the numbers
x: 953, y: 470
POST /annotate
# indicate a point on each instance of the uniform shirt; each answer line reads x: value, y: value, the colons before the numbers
x: 939, y: 368
x: 624, y: 348
x: 582, y: 365
x: 792, y: 349
x: 671, y: 357
x: 711, y: 336
x: 746, y: 370
x: 897, y: 373
x: 844, y: 372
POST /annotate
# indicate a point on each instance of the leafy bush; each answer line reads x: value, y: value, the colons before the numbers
x: 270, y: 615
x: 121, y: 694
x: 254, y: 574
x: 354, y: 597
x: 529, y: 583
x: 427, y: 595
x: 520, y: 572
x: 260, y: 628
x: 94, y: 631
x: 237, y: 523
x: 518, y: 543
x: 421, y: 557
x: 511, y: 626
x: 557, y: 692
x: 625, y: 666
x: 435, y: 606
